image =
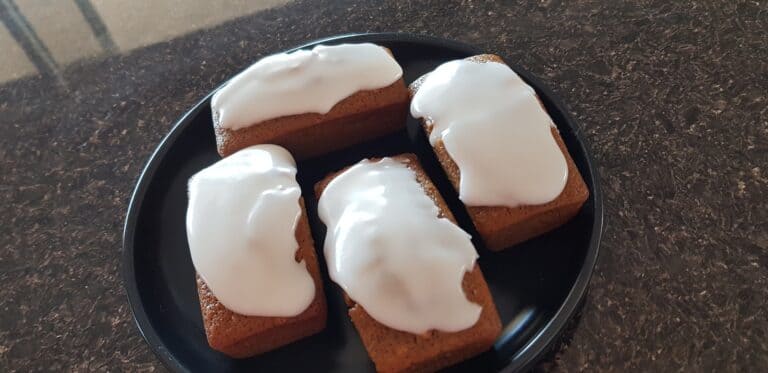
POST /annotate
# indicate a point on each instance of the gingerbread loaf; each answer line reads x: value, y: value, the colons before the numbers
x: 499, y: 226
x: 362, y: 116
x: 397, y: 351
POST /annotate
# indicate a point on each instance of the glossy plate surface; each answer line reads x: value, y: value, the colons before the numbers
x: 538, y: 286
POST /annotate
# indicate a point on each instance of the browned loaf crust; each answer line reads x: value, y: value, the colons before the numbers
x: 362, y: 116
x: 501, y: 227
x: 396, y: 351
x: 242, y: 336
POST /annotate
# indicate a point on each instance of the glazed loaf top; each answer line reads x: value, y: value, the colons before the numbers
x: 241, y: 224
x: 390, y: 250
x: 304, y: 81
x: 495, y: 129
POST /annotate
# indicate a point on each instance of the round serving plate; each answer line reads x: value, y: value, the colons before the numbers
x: 538, y: 286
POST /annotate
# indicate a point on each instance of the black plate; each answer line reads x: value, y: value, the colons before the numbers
x: 537, y: 286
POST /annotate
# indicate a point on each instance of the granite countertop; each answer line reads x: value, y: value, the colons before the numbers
x: 672, y: 96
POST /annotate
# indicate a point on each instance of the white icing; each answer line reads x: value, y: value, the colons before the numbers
x: 304, y: 81
x: 392, y: 254
x: 241, y: 224
x: 494, y: 128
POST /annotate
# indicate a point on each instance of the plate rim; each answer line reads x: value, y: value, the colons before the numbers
x: 529, y: 354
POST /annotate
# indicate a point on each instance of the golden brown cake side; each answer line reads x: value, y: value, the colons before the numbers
x: 363, y: 116
x: 242, y: 336
x: 501, y: 227
x: 396, y: 351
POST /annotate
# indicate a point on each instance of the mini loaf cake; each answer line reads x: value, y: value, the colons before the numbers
x: 257, y: 274
x: 415, y: 293
x: 499, y: 148
x: 312, y: 101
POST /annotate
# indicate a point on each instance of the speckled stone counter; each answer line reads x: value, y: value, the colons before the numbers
x: 672, y: 96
